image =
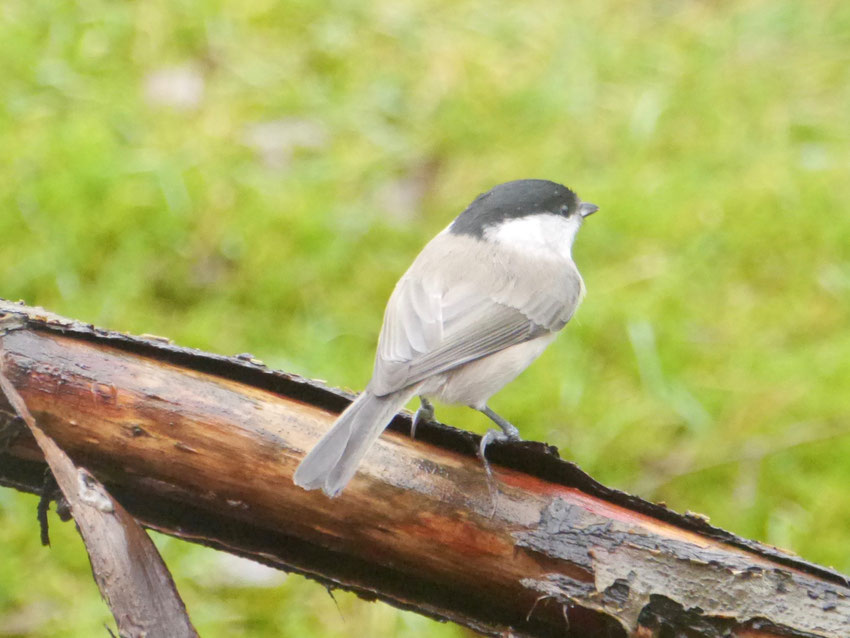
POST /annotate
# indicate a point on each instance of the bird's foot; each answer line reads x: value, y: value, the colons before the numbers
x: 425, y: 414
x: 506, y: 436
x: 508, y: 433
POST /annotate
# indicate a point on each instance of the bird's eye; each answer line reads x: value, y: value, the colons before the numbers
x: 565, y: 210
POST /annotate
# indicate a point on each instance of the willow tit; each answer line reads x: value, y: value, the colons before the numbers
x: 481, y: 302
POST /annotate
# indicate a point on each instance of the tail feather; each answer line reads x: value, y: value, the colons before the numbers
x: 335, y: 458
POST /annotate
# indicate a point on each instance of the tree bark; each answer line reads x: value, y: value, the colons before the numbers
x: 126, y: 565
x: 203, y: 447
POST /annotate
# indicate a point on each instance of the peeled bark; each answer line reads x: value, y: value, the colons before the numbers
x: 203, y: 447
x: 126, y: 565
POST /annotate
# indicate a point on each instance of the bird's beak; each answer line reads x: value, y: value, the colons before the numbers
x: 586, y: 209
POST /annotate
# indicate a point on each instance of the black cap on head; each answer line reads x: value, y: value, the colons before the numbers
x: 513, y: 200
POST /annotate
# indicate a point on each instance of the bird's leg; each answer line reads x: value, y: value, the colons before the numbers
x: 508, y: 433
x: 425, y: 414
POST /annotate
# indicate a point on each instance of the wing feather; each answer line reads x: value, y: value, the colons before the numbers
x: 438, y: 319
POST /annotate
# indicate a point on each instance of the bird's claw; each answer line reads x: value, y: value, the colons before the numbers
x: 425, y: 414
x: 509, y: 434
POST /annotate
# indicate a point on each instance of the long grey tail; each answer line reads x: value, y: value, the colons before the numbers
x: 334, y: 459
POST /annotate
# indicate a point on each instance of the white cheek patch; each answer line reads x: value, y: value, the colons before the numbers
x: 543, y: 234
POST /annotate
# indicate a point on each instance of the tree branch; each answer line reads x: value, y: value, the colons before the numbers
x: 126, y: 566
x: 203, y: 447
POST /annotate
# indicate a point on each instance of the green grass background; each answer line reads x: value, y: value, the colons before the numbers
x: 709, y: 366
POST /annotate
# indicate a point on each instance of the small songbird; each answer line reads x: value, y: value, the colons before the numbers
x: 481, y: 302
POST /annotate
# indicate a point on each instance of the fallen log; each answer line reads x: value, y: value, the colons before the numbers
x: 203, y: 447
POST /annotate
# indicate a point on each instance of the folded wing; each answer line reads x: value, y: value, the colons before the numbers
x: 440, y: 317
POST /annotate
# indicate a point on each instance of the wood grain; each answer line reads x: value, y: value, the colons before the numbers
x: 204, y: 447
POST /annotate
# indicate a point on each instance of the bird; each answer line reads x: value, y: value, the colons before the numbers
x: 481, y: 301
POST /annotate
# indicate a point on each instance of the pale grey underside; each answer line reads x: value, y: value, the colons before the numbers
x: 463, y: 299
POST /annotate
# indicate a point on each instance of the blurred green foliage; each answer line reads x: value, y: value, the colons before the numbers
x: 254, y: 176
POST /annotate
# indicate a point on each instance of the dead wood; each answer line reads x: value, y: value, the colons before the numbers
x: 126, y: 565
x: 203, y: 447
